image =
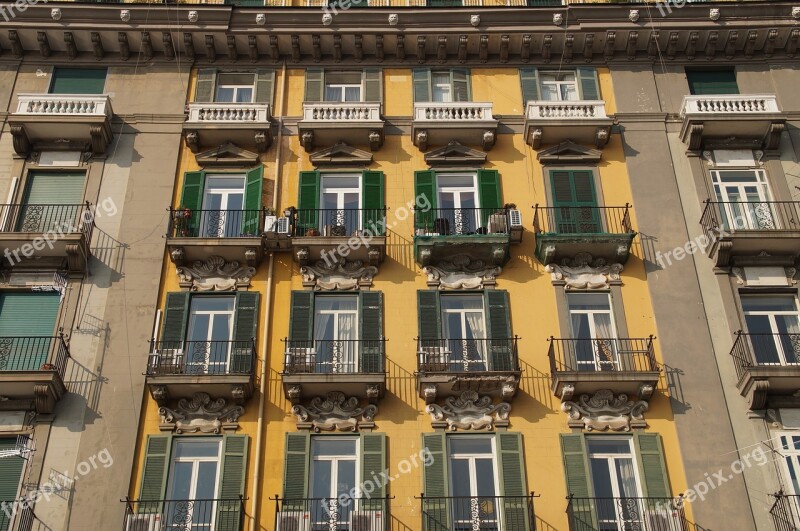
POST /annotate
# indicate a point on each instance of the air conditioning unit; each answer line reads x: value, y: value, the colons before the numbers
x: 275, y: 225
x: 515, y: 217
x: 434, y: 359
x: 366, y: 521
x: 143, y: 522
x: 169, y: 360
x: 294, y: 521
x: 301, y: 359
x: 664, y: 521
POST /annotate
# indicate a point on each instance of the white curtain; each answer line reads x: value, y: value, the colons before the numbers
x: 321, y: 342
x: 477, y: 351
x: 347, y: 348
x: 628, y: 488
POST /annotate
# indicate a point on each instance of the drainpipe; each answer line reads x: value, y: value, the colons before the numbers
x: 259, y: 451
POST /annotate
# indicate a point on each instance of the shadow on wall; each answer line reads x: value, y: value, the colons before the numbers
x: 672, y: 375
x: 541, y: 525
x: 647, y: 244
x: 108, y: 258
x: 82, y: 381
x: 537, y: 384
x: 401, y: 382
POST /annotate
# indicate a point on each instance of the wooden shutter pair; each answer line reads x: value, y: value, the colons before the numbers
x: 426, y: 192
x: 575, y: 202
x: 586, y: 77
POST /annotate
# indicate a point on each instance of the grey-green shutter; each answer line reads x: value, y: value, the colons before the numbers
x: 265, y: 86
x: 651, y: 464
x: 176, y: 315
x: 435, y: 513
x: 499, y: 321
x: 587, y: 81
x: 373, y: 87
x: 425, y: 192
x: 373, y: 464
x: 301, y: 325
x: 460, y: 84
x: 370, y: 306
x: 712, y: 82
x: 254, y: 184
x: 231, y: 483
x: 516, y: 512
x: 206, y: 80
x: 430, y: 317
x: 78, y: 81
x: 372, y: 201
x: 315, y: 84
x: 154, y: 473
x: 295, y: 471
x: 529, y: 79
x: 308, y: 201
x: 576, y: 472
x: 489, y: 192
x: 421, y: 80
x: 32, y: 316
x: 572, y: 189
x: 245, y: 324
x: 10, y: 477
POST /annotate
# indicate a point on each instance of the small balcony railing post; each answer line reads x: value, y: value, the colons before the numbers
x: 341, y: 223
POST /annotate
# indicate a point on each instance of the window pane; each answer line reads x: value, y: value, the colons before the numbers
x: 206, y: 480
x: 470, y: 445
x: 334, y: 446
x: 181, y: 481
x: 549, y: 93
x: 244, y: 95
x: 608, y: 446
x: 225, y: 183
x: 341, y: 303
x: 332, y: 182
x: 462, y: 302
x: 768, y: 303
x: 352, y: 94
x: 484, y: 471
x: 321, y: 474
x: 236, y: 79
x: 456, y: 181
x: 343, y: 78
x: 221, y: 330
x: 224, y: 95
x: 333, y: 93
x: 198, y: 327
x: 601, y: 478
x: 346, y: 477
x: 588, y: 301
x: 459, y: 470
x: 212, y: 304
x: 198, y: 448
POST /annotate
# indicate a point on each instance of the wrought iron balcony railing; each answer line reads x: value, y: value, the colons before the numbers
x: 775, y: 350
x: 32, y: 218
x: 42, y: 353
x: 340, y: 223
x: 582, y: 220
x: 602, y: 354
x: 461, y: 221
x: 731, y: 217
x: 646, y: 514
x: 201, y: 357
x: 467, y: 355
x: 343, y: 356
x: 331, y: 514
x: 489, y: 513
x: 785, y: 512
x: 186, y: 223
x: 184, y: 515
x: 16, y: 515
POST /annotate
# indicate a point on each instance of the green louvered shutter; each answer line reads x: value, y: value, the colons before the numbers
x: 315, y: 85
x: 489, y: 192
x: 176, y: 315
x: 78, y: 81
x: 588, y: 83
x: 154, y: 473
x: 245, y: 324
x: 308, y: 202
x: 370, y: 306
x: 63, y: 192
x: 712, y: 82
x: 421, y: 80
x: 373, y: 89
x: 425, y: 192
x: 435, y: 511
x: 194, y: 183
x: 295, y: 471
x: 31, y: 317
x: 372, y: 201
x: 254, y: 185
x: 373, y: 464
x: 301, y: 326
x: 10, y: 478
x: 265, y: 86
x: 459, y: 79
x: 231, y: 483
x: 429, y: 317
x: 516, y: 511
x: 499, y: 320
x: 576, y: 472
x: 204, y: 90
x: 651, y: 465
x: 529, y: 78
x: 575, y: 202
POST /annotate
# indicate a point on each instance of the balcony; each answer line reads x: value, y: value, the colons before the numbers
x: 481, y: 233
x: 750, y: 121
x: 235, y: 235
x: 354, y: 233
x: 785, y: 512
x: 317, y: 367
x: 752, y: 233
x: 77, y: 122
x: 563, y: 232
x: 553, y: 122
x: 437, y: 124
x: 55, y: 236
x: 355, y: 123
x: 179, y: 369
x: 768, y: 368
x: 32, y: 372
x: 448, y: 367
x: 174, y: 515
x: 584, y: 366
x: 496, y: 513
x: 214, y: 124
x: 22, y: 519
x: 331, y: 514
x: 662, y: 514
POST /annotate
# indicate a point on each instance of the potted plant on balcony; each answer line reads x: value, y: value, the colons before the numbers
x: 312, y: 232
x: 47, y: 367
x: 181, y: 217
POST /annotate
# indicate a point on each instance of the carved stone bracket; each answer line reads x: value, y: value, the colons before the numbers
x: 375, y: 140
x: 488, y: 139
x: 335, y: 413
x: 773, y: 138
x: 341, y: 275
x: 603, y: 411
x: 201, y: 414
x: 469, y: 411
x: 301, y: 255
x: 262, y: 140
x: 421, y: 140
x: 44, y: 399
x: 215, y: 274
x: 582, y: 272
x: 601, y: 137
x: 178, y: 256
x: 307, y: 140
x: 22, y: 144
x: 461, y: 272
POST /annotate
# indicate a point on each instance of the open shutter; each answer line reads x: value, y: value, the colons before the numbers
x: 425, y: 192
x: 501, y: 353
x: 529, y: 78
x: 245, y: 324
x: 308, y: 202
x: 651, y: 465
x: 573, y: 189
x: 422, y: 85
x: 517, y: 512
x: 459, y: 80
x: 301, y: 326
x: 373, y: 89
x: 252, y: 201
x: 372, y: 202
x: 295, y: 471
x: 576, y: 470
x: 176, y: 315
x: 265, y: 86
x: 194, y: 183
x: 435, y: 513
x: 587, y: 83
x: 154, y: 473
x: 370, y: 306
x: 206, y: 79
x: 489, y: 192
x: 10, y: 475
x: 429, y: 314
x: 315, y: 84
x: 373, y: 464
x: 231, y: 483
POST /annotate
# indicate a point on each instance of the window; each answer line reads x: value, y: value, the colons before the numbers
x: 336, y: 332
x: 745, y: 199
x: 773, y: 323
x: 614, y: 476
x: 559, y: 85
x: 78, y: 81
x: 473, y: 474
x: 789, y: 450
x: 457, y: 196
x: 194, y: 475
x: 334, y: 469
x: 235, y: 87
x: 441, y: 85
x: 51, y: 201
x: 343, y: 86
x: 574, y: 202
x: 593, y: 329
x: 712, y: 82
x: 340, y: 201
x: 28, y: 323
x: 210, y: 333
x: 461, y: 203
x: 340, y: 204
x: 11, y: 468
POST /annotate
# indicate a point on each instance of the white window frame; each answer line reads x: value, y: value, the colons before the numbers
x: 236, y: 88
x: 599, y: 364
x: 445, y: 89
x: 773, y: 325
x: 610, y: 458
x: 457, y: 190
x: 348, y: 354
x: 221, y: 223
x: 559, y: 84
x: 792, y: 454
x: 195, y: 464
x: 753, y: 220
x: 473, y: 474
x: 342, y: 87
x: 213, y: 315
x: 335, y: 459
x: 340, y: 192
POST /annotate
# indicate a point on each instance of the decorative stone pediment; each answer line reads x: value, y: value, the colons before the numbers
x: 226, y: 155
x: 469, y: 411
x: 455, y: 153
x: 341, y: 154
x: 582, y: 272
x: 342, y: 275
x: 569, y: 152
x: 603, y: 411
x: 201, y: 414
x: 215, y: 274
x: 462, y: 272
x: 335, y: 413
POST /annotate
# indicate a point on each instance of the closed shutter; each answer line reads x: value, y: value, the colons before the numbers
x: 373, y: 88
x: 206, y: 80
x: 435, y: 513
x: 308, y: 202
x: 425, y: 192
x: 252, y: 201
x: 490, y: 197
x: 154, y: 473
x: 295, y: 471
x: 231, y: 483
x: 372, y: 201
x: 587, y: 83
x: 576, y: 472
x: 78, y: 81
x: 421, y: 80
x: 651, y: 465
x: 370, y: 320
x: 31, y: 317
x: 501, y: 354
x: 265, y: 85
x: 301, y: 325
x: 459, y: 79
x: 516, y: 511
x: 10, y: 478
x: 571, y: 191
x: 58, y: 196
x: 315, y: 85
x: 176, y: 315
x: 373, y: 464
x: 194, y: 183
x: 245, y: 325
x: 529, y: 78
x: 429, y: 318
x: 712, y: 82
